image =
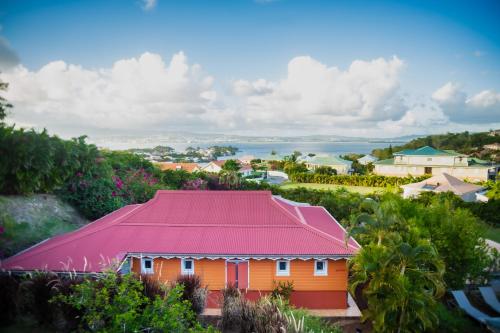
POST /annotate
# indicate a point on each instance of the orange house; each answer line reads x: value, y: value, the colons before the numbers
x: 250, y: 239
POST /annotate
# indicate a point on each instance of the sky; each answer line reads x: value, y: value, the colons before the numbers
x: 252, y: 67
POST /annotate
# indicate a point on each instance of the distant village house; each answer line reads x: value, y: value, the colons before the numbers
x: 430, y: 161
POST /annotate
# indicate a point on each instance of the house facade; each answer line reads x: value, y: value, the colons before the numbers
x: 250, y: 239
x: 342, y: 166
x: 367, y: 159
x: 431, y: 161
x: 216, y: 167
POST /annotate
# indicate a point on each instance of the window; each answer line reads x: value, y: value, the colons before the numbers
x: 187, y: 266
x: 147, y: 266
x: 320, y: 267
x: 282, y: 268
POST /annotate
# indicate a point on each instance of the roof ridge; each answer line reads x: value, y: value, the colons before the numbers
x: 310, y: 228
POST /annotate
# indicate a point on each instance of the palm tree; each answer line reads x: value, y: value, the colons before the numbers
x: 402, y: 282
x: 377, y: 221
x: 230, y: 178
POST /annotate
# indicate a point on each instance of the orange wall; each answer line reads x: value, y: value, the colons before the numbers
x: 262, y: 273
x: 211, y: 272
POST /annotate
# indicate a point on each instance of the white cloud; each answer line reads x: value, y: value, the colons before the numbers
x: 145, y: 94
x: 134, y: 93
x: 483, y: 107
x: 313, y: 94
x: 148, y: 5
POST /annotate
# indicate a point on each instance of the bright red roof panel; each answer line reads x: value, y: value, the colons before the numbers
x: 196, y: 223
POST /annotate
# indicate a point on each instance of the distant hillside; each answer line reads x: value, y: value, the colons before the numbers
x: 466, y: 143
x: 27, y: 220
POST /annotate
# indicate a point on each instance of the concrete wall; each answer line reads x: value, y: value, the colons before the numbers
x: 431, y: 160
x: 469, y: 173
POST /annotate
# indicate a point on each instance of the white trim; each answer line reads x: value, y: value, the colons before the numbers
x: 282, y: 273
x: 185, y: 271
x: 241, y: 256
x: 324, y: 272
x: 145, y: 270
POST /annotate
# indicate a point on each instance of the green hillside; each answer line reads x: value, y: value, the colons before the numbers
x: 465, y: 142
x: 27, y: 220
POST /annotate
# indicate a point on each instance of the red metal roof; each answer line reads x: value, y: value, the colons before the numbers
x: 193, y: 223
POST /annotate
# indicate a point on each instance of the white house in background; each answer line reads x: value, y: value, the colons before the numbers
x: 213, y: 167
x: 216, y: 167
x: 430, y: 161
x: 367, y: 159
x: 342, y: 166
x: 445, y: 183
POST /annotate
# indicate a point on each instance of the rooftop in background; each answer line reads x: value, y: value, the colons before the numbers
x: 189, y: 167
x: 428, y: 151
x: 196, y: 224
x: 328, y: 160
x: 445, y: 183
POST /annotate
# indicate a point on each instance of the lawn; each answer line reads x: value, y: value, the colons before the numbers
x: 492, y: 233
x: 330, y: 187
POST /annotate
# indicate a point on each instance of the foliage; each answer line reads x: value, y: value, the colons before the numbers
x: 193, y: 292
x: 268, y: 315
x: 35, y: 293
x: 94, y: 193
x: 354, y: 180
x: 117, y: 303
x: 176, y: 179
x: 9, y: 286
x: 282, y: 289
x: 230, y: 179
x: 4, y: 105
x: 494, y: 192
x: 231, y: 165
x: 293, y: 168
x: 325, y: 170
x: 16, y: 236
x: 402, y: 281
x: 36, y: 162
x: 464, y: 142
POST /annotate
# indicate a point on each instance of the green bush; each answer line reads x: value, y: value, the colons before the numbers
x: 354, y: 180
x: 117, y: 303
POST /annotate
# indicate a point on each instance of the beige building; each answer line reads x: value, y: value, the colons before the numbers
x: 431, y: 161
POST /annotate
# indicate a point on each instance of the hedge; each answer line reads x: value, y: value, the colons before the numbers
x: 355, y: 180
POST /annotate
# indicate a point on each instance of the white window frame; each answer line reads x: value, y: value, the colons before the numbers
x: 187, y: 271
x: 323, y: 272
x: 285, y: 272
x: 145, y: 270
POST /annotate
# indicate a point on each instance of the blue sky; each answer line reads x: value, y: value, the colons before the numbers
x: 439, y: 42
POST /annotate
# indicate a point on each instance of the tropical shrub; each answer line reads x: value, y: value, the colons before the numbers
x: 35, y: 292
x: 118, y: 303
x: 193, y: 292
x: 402, y: 281
x: 325, y: 170
x: 354, y: 180
x: 283, y: 290
x: 94, y: 193
x: 9, y: 286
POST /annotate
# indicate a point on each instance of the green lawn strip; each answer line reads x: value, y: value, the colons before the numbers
x: 331, y: 187
x: 492, y: 233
